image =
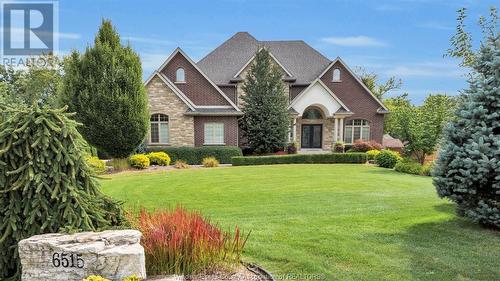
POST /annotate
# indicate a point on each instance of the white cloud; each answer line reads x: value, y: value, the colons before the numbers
x: 146, y: 40
x: 354, y: 41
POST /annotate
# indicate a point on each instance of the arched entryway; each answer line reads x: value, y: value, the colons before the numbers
x: 311, y: 135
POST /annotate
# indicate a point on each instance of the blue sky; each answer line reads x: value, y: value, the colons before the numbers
x: 403, y: 38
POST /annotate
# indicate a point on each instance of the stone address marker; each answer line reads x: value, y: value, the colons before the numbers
x: 113, y: 254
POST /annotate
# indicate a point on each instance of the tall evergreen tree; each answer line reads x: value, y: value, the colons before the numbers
x: 45, y: 184
x: 266, y: 120
x: 468, y: 168
x: 104, y: 87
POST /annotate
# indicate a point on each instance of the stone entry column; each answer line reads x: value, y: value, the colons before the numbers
x: 294, y: 130
x: 341, y: 130
x: 335, y: 130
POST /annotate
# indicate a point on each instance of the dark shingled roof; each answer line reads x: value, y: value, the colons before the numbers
x: 300, y: 59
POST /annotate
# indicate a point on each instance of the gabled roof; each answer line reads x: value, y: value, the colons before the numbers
x: 272, y: 56
x: 172, y: 86
x: 297, y: 57
x: 180, y: 51
x: 318, y: 80
x: 383, y: 109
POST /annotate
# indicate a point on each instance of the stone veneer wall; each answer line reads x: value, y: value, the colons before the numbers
x: 163, y: 100
x: 328, y: 125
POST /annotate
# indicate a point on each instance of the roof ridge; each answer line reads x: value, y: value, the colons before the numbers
x: 227, y: 40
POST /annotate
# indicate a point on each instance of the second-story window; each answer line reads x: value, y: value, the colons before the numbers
x: 180, y: 75
x: 336, y: 75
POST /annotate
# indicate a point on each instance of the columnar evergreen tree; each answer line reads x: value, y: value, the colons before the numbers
x: 104, y: 87
x: 468, y: 169
x: 45, y: 183
x: 266, y: 120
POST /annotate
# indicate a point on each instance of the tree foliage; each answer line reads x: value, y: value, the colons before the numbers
x: 104, y: 87
x: 372, y: 82
x: 419, y: 127
x: 37, y: 84
x: 468, y: 168
x: 45, y: 183
x: 266, y: 120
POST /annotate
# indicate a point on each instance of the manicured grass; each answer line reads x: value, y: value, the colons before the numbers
x: 328, y: 222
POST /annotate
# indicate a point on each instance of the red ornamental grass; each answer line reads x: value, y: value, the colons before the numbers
x: 183, y: 242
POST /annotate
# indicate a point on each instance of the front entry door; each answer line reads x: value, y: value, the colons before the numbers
x: 311, y: 136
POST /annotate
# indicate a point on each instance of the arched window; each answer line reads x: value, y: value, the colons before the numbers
x: 336, y: 75
x: 180, y: 75
x: 312, y: 113
x: 159, y: 129
x: 357, y: 129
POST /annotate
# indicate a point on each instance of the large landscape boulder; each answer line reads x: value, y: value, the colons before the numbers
x: 113, y: 254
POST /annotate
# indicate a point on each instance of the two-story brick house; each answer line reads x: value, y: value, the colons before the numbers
x: 197, y: 104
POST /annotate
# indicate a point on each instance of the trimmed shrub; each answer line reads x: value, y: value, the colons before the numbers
x: 139, y: 161
x: 158, y: 158
x: 387, y: 159
x: 195, y: 155
x: 329, y: 158
x: 183, y: 242
x: 291, y: 148
x: 372, y: 154
x: 210, y: 162
x: 96, y: 164
x: 408, y: 166
x: 338, y: 147
x: 364, y: 146
x: 181, y: 164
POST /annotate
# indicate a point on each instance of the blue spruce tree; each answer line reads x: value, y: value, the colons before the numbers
x: 468, y: 168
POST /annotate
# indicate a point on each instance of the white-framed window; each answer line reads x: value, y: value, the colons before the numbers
x: 180, y: 75
x: 214, y: 133
x: 336, y: 75
x: 357, y: 129
x: 159, y: 129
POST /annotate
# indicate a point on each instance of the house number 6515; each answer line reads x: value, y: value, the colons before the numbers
x: 67, y: 260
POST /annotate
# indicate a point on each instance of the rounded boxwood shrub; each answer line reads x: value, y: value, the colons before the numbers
x: 158, y: 158
x: 387, y: 159
x: 139, y: 161
x: 372, y: 154
x: 96, y: 164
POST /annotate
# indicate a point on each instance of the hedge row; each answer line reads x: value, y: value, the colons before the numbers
x: 358, y: 158
x: 195, y: 155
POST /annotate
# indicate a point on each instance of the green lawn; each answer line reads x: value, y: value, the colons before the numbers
x: 328, y: 222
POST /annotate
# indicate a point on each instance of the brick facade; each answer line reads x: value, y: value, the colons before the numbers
x: 357, y: 99
x: 163, y: 100
x: 197, y: 88
x: 230, y: 129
